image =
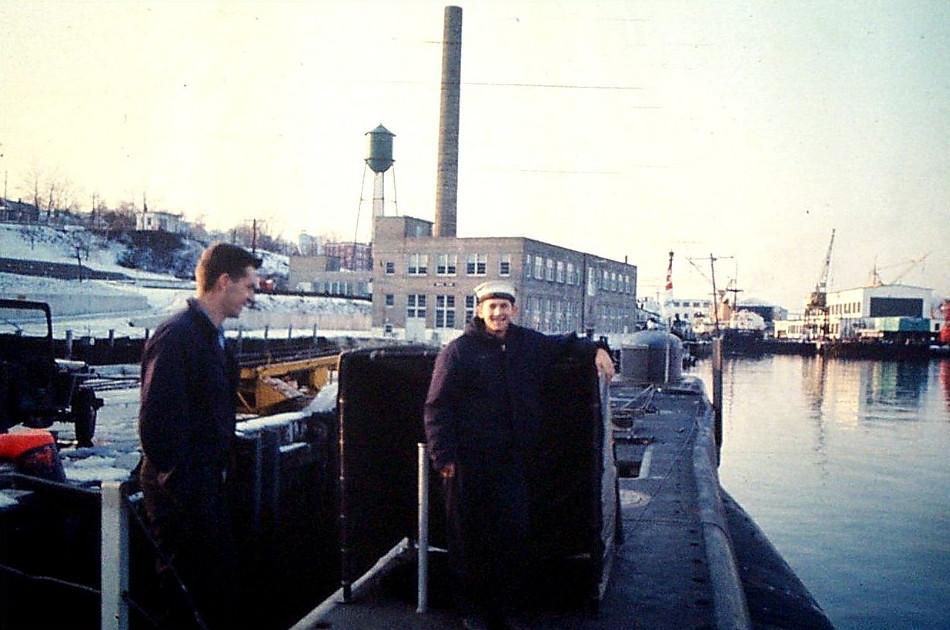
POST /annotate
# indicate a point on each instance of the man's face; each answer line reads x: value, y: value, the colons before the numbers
x: 497, y: 314
x: 239, y: 293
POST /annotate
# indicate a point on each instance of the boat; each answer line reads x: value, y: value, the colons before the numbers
x: 631, y: 522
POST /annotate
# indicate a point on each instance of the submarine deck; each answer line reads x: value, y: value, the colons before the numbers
x: 668, y: 571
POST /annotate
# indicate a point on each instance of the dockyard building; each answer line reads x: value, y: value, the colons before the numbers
x: 865, y: 312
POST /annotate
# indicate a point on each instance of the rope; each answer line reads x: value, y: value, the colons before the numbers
x: 46, y: 579
x: 49, y: 579
x: 167, y: 561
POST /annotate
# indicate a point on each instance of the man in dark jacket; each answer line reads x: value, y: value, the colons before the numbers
x: 482, y: 412
x: 186, y: 427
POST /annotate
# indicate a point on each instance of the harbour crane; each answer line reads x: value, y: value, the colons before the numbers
x: 819, y: 297
x: 816, y: 310
x: 876, y: 280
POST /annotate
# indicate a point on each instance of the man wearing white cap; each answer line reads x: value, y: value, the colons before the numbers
x: 482, y: 412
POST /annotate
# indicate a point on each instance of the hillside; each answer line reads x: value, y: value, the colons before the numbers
x: 142, y: 284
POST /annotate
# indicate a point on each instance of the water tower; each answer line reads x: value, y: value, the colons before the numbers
x: 379, y: 159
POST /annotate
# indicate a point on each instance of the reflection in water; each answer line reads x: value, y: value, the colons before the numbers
x: 888, y: 387
x: 945, y: 380
x: 814, y: 371
x: 842, y: 464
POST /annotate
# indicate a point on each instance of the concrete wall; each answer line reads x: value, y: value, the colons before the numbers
x: 79, y: 304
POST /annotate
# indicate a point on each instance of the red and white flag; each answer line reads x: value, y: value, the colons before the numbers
x: 669, y: 274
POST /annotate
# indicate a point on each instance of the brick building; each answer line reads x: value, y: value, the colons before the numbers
x: 422, y: 284
x: 323, y: 274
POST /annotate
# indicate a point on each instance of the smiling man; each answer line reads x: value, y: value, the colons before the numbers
x: 482, y: 413
x: 186, y: 427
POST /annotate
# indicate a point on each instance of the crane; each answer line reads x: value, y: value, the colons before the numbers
x: 816, y: 310
x: 875, y: 279
x: 819, y: 297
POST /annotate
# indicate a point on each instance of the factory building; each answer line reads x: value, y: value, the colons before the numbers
x: 423, y: 284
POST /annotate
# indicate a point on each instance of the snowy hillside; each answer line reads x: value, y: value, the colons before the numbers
x: 133, y: 306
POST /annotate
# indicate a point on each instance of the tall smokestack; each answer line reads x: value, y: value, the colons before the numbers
x: 446, y: 194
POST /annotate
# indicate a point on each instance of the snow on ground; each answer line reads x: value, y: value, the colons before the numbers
x: 270, y: 314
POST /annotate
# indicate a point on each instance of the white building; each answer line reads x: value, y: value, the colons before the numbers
x: 687, y: 309
x: 852, y: 310
x: 159, y: 221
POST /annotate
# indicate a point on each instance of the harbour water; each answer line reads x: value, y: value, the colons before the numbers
x: 846, y: 467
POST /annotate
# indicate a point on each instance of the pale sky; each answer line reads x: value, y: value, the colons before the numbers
x: 746, y: 130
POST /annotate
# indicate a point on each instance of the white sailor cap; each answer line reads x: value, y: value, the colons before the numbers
x: 495, y: 289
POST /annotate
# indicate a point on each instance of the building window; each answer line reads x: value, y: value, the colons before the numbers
x: 527, y: 266
x: 390, y: 299
x: 418, y: 265
x: 560, y: 271
x: 416, y: 305
x: 570, y: 274
x: 445, y: 311
x: 538, y: 268
x: 549, y: 270
x: 469, y: 308
x: 446, y: 264
x: 390, y: 267
x: 476, y: 264
x: 504, y: 265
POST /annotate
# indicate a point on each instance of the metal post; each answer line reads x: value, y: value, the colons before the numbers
x: 717, y: 387
x: 423, y: 547
x: 115, y: 558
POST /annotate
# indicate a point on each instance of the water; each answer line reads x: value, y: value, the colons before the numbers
x: 846, y: 467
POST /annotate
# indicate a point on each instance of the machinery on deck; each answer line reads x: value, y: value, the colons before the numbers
x: 36, y: 388
x: 286, y: 385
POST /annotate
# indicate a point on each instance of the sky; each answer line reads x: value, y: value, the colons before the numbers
x: 743, y: 131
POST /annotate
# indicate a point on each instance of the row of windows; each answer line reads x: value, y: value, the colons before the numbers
x: 689, y: 304
x: 444, y: 308
x: 845, y: 308
x: 542, y: 313
x: 565, y: 272
x: 448, y: 265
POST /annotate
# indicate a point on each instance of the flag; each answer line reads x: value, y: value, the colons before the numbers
x: 669, y: 274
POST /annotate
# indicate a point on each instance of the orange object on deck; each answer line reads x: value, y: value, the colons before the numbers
x: 33, y: 452
x: 12, y: 445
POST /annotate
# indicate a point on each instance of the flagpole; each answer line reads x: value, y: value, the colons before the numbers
x: 669, y: 320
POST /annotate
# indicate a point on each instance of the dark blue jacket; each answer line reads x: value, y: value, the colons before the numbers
x: 189, y: 392
x: 485, y: 392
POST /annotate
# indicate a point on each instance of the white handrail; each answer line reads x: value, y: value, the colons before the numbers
x: 114, y: 582
x: 423, y: 546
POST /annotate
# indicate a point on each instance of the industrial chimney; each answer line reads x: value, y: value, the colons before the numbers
x: 446, y: 194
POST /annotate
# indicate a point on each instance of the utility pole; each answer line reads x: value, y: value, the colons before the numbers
x: 715, y: 300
